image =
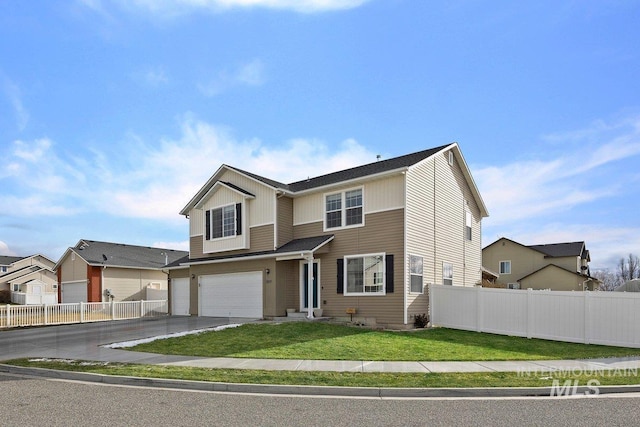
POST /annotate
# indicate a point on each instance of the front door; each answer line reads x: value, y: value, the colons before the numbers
x: 304, y: 286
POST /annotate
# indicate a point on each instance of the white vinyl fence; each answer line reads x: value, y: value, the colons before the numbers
x: 608, y: 318
x: 83, y: 312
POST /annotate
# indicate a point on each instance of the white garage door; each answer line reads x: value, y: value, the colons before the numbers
x: 74, y: 292
x: 231, y: 295
x: 180, y: 297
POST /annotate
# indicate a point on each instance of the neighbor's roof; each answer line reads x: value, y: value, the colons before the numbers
x: 553, y: 250
x: 560, y: 249
x: 8, y: 260
x: 122, y: 255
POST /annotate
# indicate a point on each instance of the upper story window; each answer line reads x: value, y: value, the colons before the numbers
x: 468, y: 222
x: 343, y: 209
x: 225, y: 221
x: 505, y: 267
x: 415, y: 265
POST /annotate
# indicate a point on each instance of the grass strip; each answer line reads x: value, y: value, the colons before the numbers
x: 340, y: 379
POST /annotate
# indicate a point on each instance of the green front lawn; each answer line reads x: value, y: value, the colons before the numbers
x: 324, y: 341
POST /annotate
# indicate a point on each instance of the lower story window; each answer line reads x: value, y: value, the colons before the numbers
x: 416, y: 273
x: 447, y: 273
x: 365, y: 274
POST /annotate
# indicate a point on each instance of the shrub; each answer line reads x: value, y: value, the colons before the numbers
x: 5, y: 296
x: 420, y: 321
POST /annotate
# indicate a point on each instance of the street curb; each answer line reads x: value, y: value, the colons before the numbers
x: 304, y: 390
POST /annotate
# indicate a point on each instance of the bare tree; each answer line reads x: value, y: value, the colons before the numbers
x: 608, y: 280
x: 628, y: 268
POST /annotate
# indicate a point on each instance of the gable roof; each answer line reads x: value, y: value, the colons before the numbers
x: 358, y: 172
x: 108, y: 254
x: 585, y: 276
x: 552, y: 250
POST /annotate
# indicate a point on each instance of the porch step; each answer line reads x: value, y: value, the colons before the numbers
x: 297, y: 315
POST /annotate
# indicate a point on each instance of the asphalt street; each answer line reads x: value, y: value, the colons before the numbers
x: 36, y: 402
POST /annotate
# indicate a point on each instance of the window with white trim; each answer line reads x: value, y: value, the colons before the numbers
x: 447, y: 273
x: 505, y: 267
x: 225, y: 221
x: 364, y: 274
x: 16, y: 287
x: 415, y: 268
x: 344, y: 209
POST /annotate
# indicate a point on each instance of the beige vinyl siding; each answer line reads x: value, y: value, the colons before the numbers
x: 571, y: 263
x: 196, y: 222
x: 383, y: 232
x: 285, y: 221
x: 128, y: 284
x: 378, y: 195
x: 261, y: 210
x: 553, y: 278
x: 32, y: 260
x: 523, y: 260
x: 73, y: 269
x: 47, y: 277
x: 261, y: 239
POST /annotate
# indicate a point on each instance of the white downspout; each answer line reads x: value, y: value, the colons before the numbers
x: 310, y: 286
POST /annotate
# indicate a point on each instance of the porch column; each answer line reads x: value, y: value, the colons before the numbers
x: 310, y: 287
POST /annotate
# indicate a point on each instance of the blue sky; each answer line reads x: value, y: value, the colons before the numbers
x: 114, y: 113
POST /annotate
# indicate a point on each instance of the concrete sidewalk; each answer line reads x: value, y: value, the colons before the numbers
x: 537, y: 367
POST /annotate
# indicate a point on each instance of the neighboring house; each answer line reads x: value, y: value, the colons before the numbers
x: 365, y: 239
x: 31, y: 280
x: 557, y: 266
x: 100, y: 271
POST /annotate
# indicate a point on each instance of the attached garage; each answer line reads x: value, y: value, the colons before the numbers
x: 74, y: 292
x: 180, y: 297
x: 231, y: 295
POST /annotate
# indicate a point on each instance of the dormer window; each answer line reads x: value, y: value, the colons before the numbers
x: 225, y: 221
x: 344, y: 209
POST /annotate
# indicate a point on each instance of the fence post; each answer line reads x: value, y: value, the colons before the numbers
x: 529, y: 312
x: 8, y: 315
x: 141, y: 308
x: 111, y: 310
x: 430, y: 303
x: 586, y: 302
x: 478, y: 309
x: 46, y: 314
x: 81, y: 311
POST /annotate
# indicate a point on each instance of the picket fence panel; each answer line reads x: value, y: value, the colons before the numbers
x: 83, y: 312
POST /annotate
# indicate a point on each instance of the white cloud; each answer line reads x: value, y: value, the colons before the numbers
x: 156, y: 180
x: 179, y: 7
x: 249, y: 74
x: 566, y: 178
x: 13, y: 94
x: 4, y: 249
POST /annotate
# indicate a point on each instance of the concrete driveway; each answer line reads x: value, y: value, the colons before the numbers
x: 83, y: 341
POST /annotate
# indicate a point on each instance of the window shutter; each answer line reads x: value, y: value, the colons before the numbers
x: 389, y: 272
x: 207, y: 225
x: 238, y: 219
x: 340, y: 277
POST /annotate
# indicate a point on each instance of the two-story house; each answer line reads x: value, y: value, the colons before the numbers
x: 556, y: 266
x: 365, y: 239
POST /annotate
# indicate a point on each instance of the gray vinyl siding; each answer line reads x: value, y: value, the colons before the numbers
x: 383, y: 232
x: 129, y: 284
